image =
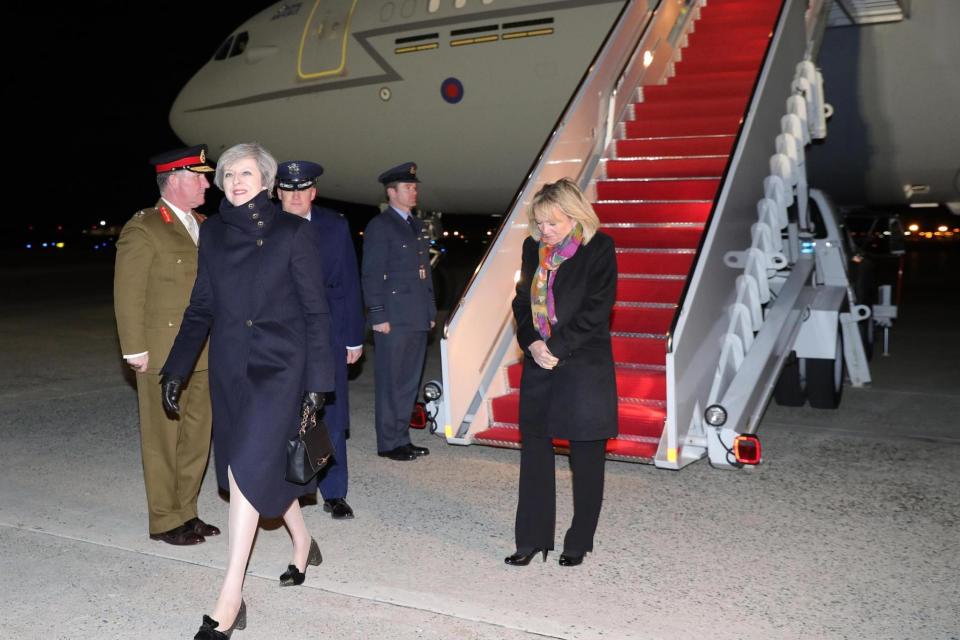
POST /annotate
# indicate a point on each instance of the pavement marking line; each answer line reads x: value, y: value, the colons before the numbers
x: 252, y: 574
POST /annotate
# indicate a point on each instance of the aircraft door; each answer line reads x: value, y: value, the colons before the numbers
x: 323, y: 45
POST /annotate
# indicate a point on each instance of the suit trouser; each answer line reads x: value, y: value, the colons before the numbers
x: 174, y: 452
x: 537, y: 505
x: 399, y: 365
x: 332, y: 480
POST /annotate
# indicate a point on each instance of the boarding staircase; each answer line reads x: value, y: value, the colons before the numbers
x: 673, y: 123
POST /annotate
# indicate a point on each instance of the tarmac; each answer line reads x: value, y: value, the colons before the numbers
x: 849, y: 528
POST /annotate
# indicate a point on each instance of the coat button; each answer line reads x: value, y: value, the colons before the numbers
x: 259, y: 223
x: 179, y: 260
x: 249, y: 323
x: 259, y: 242
x: 169, y: 324
x: 255, y: 215
x: 250, y: 206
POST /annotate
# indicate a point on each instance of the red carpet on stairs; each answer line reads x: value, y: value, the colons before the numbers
x: 654, y: 195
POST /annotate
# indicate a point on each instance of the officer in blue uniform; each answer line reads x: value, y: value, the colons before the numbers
x: 398, y: 292
x: 296, y: 188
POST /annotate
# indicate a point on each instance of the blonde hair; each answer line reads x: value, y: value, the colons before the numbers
x: 563, y: 195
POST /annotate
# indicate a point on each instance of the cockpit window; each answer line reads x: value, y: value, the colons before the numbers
x: 223, y: 50
x: 240, y: 44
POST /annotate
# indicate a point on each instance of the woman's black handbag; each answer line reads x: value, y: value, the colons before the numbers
x: 310, y: 451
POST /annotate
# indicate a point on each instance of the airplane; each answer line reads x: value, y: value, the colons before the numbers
x: 469, y: 89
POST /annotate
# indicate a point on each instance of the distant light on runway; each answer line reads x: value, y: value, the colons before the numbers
x: 943, y: 227
x: 103, y: 223
x: 914, y: 227
x: 59, y: 245
x: 29, y: 246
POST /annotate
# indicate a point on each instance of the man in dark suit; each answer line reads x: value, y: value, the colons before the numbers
x: 398, y: 291
x: 296, y: 188
x: 155, y: 269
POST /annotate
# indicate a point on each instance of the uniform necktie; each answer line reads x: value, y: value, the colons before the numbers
x: 192, y: 228
x: 413, y: 225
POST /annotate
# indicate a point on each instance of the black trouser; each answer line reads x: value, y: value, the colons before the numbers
x: 399, y: 358
x: 537, y: 506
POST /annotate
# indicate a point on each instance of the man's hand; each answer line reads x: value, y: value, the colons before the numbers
x: 383, y: 327
x: 170, y: 387
x: 432, y: 324
x: 139, y: 363
x: 354, y: 354
x: 542, y: 356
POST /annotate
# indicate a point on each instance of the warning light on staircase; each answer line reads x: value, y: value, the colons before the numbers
x: 715, y: 415
x: 746, y: 448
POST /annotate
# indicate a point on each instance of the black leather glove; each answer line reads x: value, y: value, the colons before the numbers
x: 312, y: 402
x: 170, y: 387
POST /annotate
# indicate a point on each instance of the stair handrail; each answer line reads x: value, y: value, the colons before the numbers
x: 573, y: 149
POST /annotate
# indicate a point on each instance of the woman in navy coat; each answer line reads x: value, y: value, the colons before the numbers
x: 568, y: 390
x: 259, y: 296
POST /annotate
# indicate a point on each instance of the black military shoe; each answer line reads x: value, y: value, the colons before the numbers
x: 417, y: 451
x: 400, y: 454
x: 338, y: 509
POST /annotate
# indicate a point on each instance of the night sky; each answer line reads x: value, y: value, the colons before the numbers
x: 88, y: 87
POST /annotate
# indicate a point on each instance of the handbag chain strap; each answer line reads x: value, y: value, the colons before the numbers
x: 303, y: 420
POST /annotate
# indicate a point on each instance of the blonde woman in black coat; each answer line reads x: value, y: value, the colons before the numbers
x: 564, y: 297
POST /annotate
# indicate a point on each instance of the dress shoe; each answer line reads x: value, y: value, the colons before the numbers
x: 523, y: 558
x: 570, y: 560
x: 293, y: 577
x: 181, y: 536
x: 201, y: 528
x: 400, y: 453
x: 208, y: 630
x: 338, y: 509
x: 417, y: 451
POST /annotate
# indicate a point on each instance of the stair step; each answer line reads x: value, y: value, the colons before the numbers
x: 654, y: 262
x: 684, y: 77
x: 656, y: 189
x: 635, y: 350
x: 649, y: 289
x: 705, y: 88
x: 680, y: 125
x: 692, y: 108
x: 641, y: 319
x: 706, y: 65
x: 632, y: 382
x: 666, y: 167
x: 669, y: 237
x: 633, y: 418
x: 651, y: 212
x: 633, y: 450
x: 667, y: 147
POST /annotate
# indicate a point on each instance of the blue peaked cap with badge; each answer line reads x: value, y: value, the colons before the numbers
x: 297, y: 175
x: 406, y: 172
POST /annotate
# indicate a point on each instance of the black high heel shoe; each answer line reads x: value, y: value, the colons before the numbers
x: 293, y: 577
x: 523, y: 558
x: 570, y: 560
x: 208, y: 630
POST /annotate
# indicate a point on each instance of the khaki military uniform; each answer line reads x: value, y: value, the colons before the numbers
x: 155, y: 271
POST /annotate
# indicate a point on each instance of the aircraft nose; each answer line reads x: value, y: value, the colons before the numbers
x: 183, y: 118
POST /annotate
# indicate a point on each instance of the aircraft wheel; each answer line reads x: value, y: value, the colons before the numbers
x: 825, y: 379
x: 789, y: 390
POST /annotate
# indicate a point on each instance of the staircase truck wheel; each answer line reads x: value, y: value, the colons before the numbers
x: 825, y: 379
x: 789, y: 391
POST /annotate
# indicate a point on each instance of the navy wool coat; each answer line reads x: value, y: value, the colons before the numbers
x: 577, y: 399
x: 341, y: 280
x: 259, y: 296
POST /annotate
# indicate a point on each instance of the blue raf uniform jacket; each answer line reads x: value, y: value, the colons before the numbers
x: 341, y: 280
x: 397, y: 283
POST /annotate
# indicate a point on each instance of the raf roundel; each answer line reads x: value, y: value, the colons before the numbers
x: 452, y: 90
